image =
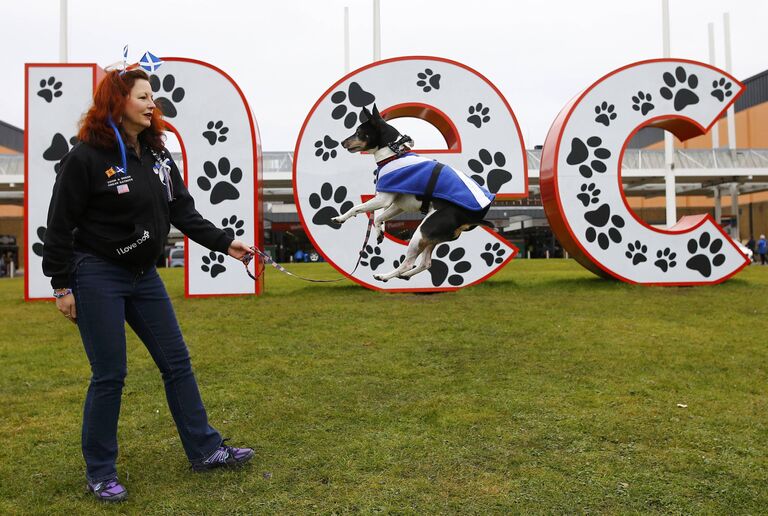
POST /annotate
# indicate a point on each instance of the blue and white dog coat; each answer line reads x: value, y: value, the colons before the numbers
x: 410, y: 173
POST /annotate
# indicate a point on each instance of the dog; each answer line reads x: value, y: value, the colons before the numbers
x: 451, y: 201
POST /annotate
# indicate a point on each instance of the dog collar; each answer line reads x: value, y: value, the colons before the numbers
x: 401, y: 146
x: 387, y: 160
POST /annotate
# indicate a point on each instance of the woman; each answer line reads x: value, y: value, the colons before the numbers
x: 115, y: 197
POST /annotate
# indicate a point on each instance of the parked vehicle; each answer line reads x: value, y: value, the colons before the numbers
x: 176, y: 257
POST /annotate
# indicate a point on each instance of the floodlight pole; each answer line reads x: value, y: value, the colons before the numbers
x: 731, y: 129
x: 376, y: 30
x: 63, y: 51
x: 346, y: 40
x: 669, y: 150
x: 728, y: 68
x: 715, y: 128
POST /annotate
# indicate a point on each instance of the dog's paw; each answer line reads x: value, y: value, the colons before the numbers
x: 338, y: 220
x: 379, y: 277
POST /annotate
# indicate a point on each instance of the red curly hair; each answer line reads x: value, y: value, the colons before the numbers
x: 109, y: 100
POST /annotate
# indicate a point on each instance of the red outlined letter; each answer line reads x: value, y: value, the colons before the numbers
x: 581, y: 174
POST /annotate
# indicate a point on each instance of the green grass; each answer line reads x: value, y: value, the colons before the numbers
x: 542, y: 390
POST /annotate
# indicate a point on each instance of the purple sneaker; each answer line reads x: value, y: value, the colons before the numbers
x: 224, y: 457
x: 108, y: 490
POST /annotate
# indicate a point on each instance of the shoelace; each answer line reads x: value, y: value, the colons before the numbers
x: 106, y: 485
x: 229, y: 449
x: 221, y: 454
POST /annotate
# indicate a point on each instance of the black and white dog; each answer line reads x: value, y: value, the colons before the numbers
x: 406, y: 182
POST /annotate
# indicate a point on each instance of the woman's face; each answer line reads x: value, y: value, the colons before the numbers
x: 138, y: 109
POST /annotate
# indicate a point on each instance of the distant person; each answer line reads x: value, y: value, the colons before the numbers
x: 8, y: 261
x: 114, y: 199
x: 3, y: 267
x: 751, y: 247
x: 761, y: 249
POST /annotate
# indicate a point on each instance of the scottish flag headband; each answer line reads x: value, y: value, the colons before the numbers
x: 148, y: 62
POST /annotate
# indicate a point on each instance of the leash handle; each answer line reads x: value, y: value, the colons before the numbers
x: 265, y: 258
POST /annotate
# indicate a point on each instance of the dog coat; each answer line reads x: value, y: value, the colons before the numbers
x: 410, y: 174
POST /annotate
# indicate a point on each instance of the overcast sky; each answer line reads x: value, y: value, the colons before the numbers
x: 284, y: 54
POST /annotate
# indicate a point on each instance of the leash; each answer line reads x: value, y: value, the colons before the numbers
x: 266, y: 259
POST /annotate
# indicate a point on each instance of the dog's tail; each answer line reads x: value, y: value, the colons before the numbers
x: 485, y: 223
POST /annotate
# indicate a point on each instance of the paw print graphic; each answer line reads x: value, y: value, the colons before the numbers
x: 605, y: 113
x: 233, y: 226
x: 371, y: 257
x: 589, y: 194
x: 636, y: 252
x: 357, y: 96
x: 478, y: 115
x: 642, y: 102
x: 452, y: 268
x: 684, y: 96
x: 721, y: 89
x: 223, y: 189
x: 495, y: 178
x: 49, y: 89
x: 58, y: 149
x: 216, y: 132
x: 665, y: 259
x: 325, y: 214
x: 580, y: 154
x: 213, y: 264
x: 167, y: 87
x: 494, y: 253
x: 396, y: 264
x: 326, y: 148
x: 605, y: 228
x: 428, y: 80
x: 37, y: 247
x: 708, y: 254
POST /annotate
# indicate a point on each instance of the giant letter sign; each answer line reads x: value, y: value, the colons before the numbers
x: 219, y: 146
x: 483, y: 140
x: 581, y: 174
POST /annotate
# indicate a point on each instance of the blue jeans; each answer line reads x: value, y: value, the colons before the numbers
x: 107, y: 296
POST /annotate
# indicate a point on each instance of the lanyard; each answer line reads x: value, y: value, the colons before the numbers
x: 119, y: 143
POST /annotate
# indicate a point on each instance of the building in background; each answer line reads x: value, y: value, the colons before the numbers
x: 11, y: 192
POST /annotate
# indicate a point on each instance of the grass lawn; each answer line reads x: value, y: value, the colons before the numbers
x: 542, y: 390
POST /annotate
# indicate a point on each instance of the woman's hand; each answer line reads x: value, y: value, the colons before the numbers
x: 238, y: 249
x: 66, y: 306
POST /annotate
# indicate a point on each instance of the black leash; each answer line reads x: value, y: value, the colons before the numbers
x: 265, y: 258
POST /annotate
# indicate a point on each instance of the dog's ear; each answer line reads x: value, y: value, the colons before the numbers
x: 376, y: 112
x: 365, y: 115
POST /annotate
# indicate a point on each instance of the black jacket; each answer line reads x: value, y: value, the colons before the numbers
x: 123, y: 218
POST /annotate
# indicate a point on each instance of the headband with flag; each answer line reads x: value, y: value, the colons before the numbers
x: 149, y: 62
